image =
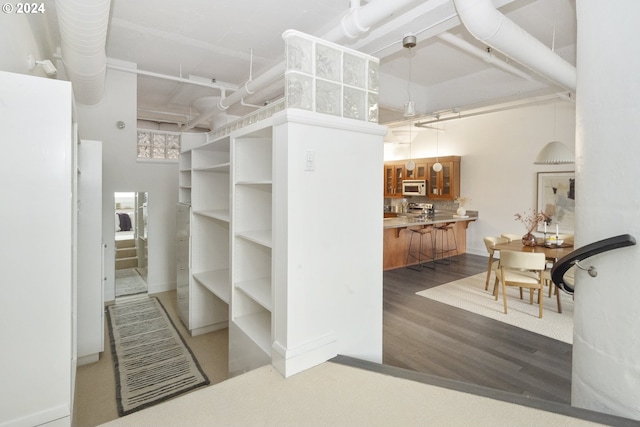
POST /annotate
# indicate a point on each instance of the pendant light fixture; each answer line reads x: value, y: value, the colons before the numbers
x: 437, y: 166
x: 408, y: 42
x: 554, y: 152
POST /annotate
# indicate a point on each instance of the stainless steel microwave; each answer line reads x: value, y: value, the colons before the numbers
x: 414, y: 187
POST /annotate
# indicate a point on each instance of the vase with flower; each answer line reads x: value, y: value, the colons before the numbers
x: 461, y: 211
x: 531, y: 219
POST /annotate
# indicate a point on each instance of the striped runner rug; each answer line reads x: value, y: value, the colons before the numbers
x: 151, y: 360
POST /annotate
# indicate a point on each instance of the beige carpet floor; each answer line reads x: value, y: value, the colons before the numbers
x: 331, y: 394
x: 469, y: 294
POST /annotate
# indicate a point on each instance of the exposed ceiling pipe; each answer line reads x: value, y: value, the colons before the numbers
x: 458, y: 114
x: 490, y: 26
x: 83, y: 35
x: 360, y: 19
x: 203, y: 82
x: 482, y: 54
x: 354, y: 23
x: 250, y: 87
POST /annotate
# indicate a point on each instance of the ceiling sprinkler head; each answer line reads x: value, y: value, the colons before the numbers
x: 409, y: 41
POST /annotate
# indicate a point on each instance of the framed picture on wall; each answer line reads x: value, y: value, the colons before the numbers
x: 556, y: 199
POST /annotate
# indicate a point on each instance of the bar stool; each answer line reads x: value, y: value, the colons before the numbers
x: 444, y: 231
x: 421, y: 233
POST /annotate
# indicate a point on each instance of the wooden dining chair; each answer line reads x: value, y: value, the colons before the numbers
x: 489, y: 243
x: 524, y: 270
x: 568, y: 278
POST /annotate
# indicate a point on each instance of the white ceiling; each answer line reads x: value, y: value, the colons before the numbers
x: 214, y: 39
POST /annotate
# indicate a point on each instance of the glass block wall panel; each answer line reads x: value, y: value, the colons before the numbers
x: 328, y: 63
x: 159, y: 140
x: 299, y: 55
x: 340, y: 81
x: 354, y: 103
x: 173, y: 141
x: 144, y: 138
x: 372, y: 107
x: 298, y: 90
x: 158, y: 152
x: 173, y: 153
x: 144, y: 151
x: 323, y: 77
x: 354, y: 70
x: 328, y: 96
x: 158, y: 145
x: 374, y: 77
x: 260, y: 114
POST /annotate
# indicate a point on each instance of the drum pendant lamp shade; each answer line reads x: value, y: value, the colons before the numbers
x: 554, y: 153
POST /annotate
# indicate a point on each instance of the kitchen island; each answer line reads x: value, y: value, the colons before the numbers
x: 397, y: 235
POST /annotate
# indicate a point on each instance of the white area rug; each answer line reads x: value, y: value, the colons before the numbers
x: 469, y: 294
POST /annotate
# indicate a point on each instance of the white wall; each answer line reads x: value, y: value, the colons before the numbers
x: 606, y: 343
x: 497, y: 170
x: 121, y: 172
x: 24, y: 34
x: 36, y: 256
x: 327, y: 251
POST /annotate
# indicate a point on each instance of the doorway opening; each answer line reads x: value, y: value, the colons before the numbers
x: 131, y: 243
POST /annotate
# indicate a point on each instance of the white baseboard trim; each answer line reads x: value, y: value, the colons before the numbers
x: 206, y: 329
x: 88, y: 359
x: 156, y: 288
x: 292, y: 360
x: 54, y: 416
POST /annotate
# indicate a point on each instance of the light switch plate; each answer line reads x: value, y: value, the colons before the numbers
x: 309, y: 160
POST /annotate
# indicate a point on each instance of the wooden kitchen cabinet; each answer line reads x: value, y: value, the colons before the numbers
x: 421, y: 171
x: 444, y: 185
x: 394, y: 174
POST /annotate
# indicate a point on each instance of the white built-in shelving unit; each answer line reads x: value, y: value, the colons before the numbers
x: 184, y: 178
x: 271, y: 253
x: 251, y: 274
x: 208, y: 291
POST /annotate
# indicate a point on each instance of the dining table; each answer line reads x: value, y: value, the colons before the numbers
x: 553, y: 252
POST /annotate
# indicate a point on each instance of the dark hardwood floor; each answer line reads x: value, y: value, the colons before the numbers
x: 434, y: 338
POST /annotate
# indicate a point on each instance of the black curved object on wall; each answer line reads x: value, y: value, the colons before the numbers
x: 567, y: 261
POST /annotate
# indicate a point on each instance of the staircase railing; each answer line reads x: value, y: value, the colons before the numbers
x: 574, y: 258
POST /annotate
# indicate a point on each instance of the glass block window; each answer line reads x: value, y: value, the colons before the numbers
x: 158, y: 145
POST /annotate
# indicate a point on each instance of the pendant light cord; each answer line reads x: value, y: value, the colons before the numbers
x: 437, y: 146
x: 409, y: 82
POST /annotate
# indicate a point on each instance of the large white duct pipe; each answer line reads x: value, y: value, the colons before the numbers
x: 359, y: 19
x: 490, y: 26
x: 83, y: 32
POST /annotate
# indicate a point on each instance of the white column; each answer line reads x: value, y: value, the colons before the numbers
x: 606, y: 349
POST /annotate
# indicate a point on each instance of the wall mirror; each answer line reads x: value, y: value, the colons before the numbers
x: 131, y: 243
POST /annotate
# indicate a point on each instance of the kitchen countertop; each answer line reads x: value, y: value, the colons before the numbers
x: 411, y: 220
